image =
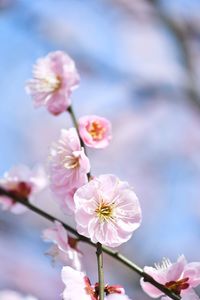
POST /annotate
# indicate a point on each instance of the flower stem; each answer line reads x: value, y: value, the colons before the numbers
x: 100, y: 270
x: 116, y: 255
x: 74, y: 120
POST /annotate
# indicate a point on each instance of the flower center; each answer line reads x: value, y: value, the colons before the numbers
x: 51, y: 83
x: 48, y: 84
x: 71, y: 162
x: 96, y: 130
x: 177, y: 286
x: 104, y: 211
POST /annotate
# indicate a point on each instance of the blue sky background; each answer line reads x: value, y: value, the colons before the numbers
x: 132, y: 72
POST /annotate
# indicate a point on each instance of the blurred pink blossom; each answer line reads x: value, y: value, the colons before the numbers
x: 180, y: 277
x: 95, y: 131
x: 65, y: 247
x: 68, y: 167
x: 11, y: 295
x: 22, y: 182
x: 107, y: 210
x: 54, y: 78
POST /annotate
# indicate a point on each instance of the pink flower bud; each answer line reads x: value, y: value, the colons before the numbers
x: 95, y: 131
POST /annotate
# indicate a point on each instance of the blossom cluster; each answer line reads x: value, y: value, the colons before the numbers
x: 106, y: 209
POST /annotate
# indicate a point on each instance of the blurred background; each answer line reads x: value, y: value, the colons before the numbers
x: 139, y: 62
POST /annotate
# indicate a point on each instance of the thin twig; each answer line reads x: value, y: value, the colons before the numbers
x: 100, y: 270
x: 74, y: 120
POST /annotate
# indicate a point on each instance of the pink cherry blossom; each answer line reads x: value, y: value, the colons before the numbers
x: 77, y: 285
x: 12, y: 295
x: 180, y: 277
x: 68, y: 167
x: 65, y: 247
x: 95, y: 131
x: 22, y: 182
x: 54, y: 78
x: 107, y: 210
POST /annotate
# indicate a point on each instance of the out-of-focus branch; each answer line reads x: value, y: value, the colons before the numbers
x: 181, y: 37
x: 116, y: 255
x: 180, y: 34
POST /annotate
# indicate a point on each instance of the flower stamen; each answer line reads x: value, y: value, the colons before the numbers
x: 166, y: 263
x: 46, y: 82
x: 105, y: 211
x: 96, y: 130
x: 71, y: 162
